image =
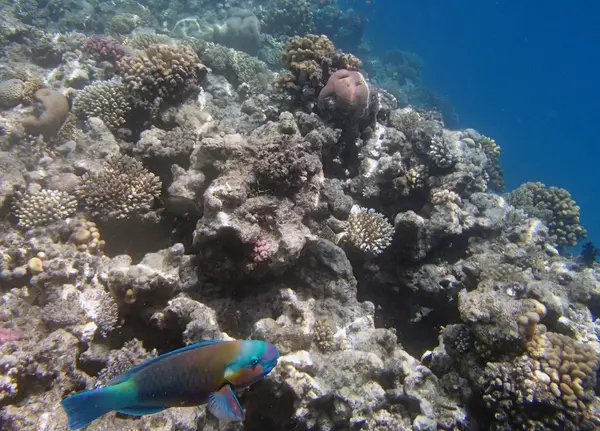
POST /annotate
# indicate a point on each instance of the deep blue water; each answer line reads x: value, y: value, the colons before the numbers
x: 524, y: 73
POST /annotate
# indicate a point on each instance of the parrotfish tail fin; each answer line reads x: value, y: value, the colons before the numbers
x: 88, y: 406
x: 225, y: 405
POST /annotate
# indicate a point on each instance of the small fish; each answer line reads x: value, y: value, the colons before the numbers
x: 207, y: 372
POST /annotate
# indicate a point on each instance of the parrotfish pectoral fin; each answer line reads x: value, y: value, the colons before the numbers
x: 225, y: 405
x: 87, y: 406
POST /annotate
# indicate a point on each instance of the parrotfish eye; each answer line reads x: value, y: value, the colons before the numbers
x: 254, y: 363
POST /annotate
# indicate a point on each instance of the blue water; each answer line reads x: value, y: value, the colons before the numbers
x: 524, y: 73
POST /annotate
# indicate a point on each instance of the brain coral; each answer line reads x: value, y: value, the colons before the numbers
x: 106, y: 100
x: 11, y: 93
x: 124, y: 186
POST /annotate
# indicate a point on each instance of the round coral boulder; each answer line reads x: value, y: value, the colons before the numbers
x: 346, y: 92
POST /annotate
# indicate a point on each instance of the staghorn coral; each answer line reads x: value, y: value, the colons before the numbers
x: 106, y: 100
x: 123, y: 187
x: 162, y: 73
x: 555, y: 207
x: 54, y: 114
x: 39, y: 208
x: 368, y: 231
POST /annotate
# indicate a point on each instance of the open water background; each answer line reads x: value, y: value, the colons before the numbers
x: 525, y: 73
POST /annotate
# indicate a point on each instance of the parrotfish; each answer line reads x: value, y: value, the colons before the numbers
x: 207, y: 372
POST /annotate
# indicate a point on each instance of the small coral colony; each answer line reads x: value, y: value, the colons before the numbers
x: 238, y: 215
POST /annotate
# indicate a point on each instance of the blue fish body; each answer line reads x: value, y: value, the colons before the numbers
x: 207, y: 372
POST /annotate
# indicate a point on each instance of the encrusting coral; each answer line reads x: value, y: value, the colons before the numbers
x: 55, y: 111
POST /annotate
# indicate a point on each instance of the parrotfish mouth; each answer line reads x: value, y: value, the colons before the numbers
x: 269, y: 366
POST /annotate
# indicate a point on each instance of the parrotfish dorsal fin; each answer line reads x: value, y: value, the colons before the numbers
x: 225, y: 405
x: 124, y: 376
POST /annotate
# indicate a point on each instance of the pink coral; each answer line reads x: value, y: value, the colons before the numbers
x: 348, y: 91
x: 104, y: 48
x: 9, y: 335
x: 261, y: 250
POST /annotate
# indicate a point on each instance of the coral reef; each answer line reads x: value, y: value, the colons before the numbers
x: 182, y: 201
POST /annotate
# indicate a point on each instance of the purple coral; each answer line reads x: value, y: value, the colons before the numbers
x: 261, y: 250
x: 104, y: 48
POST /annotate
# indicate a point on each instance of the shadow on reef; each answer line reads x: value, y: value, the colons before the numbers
x: 135, y: 237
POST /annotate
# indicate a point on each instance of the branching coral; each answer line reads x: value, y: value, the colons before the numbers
x: 368, y: 231
x: 492, y: 168
x: 123, y: 187
x: 106, y: 100
x: 43, y: 207
x: 162, y: 73
x: 441, y: 152
x: 555, y: 207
